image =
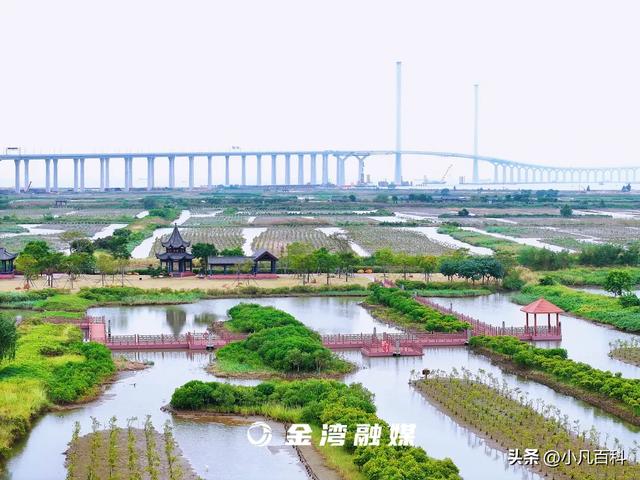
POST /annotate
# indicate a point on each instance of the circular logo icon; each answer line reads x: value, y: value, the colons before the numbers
x: 259, y: 434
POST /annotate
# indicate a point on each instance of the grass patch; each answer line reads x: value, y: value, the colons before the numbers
x: 52, y: 365
x: 481, y: 240
x: 589, y: 276
x: 591, y: 306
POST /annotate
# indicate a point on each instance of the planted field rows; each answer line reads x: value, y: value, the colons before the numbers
x: 276, y: 239
x: 375, y: 238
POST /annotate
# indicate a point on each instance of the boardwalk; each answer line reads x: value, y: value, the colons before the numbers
x: 540, y: 333
x: 370, y: 344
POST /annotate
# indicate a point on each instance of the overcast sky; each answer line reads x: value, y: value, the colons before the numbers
x: 559, y: 81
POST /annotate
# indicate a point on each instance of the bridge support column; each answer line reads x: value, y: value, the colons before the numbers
x: 504, y: 173
x: 244, y: 170
x: 526, y: 175
x: 17, y: 176
x: 325, y: 169
x: 258, y: 169
x: 172, y: 172
x: 26, y: 175
x: 519, y: 174
x: 495, y: 173
x: 150, y: 173
x: 511, y: 174
x: 313, y: 169
x: 82, y: 174
x: 55, y: 174
x: 47, y: 173
x: 209, y: 172
x: 300, y: 169
x: 361, y: 170
x: 274, y: 178
x: 191, y: 172
x: 226, y: 170
x: 106, y: 173
x: 126, y: 174
x: 75, y: 174
x: 102, y: 174
x: 287, y: 169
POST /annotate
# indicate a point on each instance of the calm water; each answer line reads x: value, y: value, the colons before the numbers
x: 584, y: 341
x: 220, y: 451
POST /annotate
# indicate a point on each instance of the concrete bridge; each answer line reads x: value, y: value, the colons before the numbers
x: 504, y: 171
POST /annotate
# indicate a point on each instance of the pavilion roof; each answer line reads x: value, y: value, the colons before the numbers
x: 176, y: 240
x: 5, y: 255
x: 541, y: 306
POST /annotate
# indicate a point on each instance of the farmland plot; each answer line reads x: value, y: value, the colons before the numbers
x: 276, y: 239
x: 221, y: 237
x: 397, y: 239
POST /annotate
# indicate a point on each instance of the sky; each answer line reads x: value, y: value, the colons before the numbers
x: 558, y: 81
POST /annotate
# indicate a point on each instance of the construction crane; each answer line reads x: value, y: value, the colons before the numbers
x: 446, y: 172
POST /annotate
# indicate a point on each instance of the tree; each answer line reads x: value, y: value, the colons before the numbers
x: 29, y: 267
x: 346, y: 261
x: 301, y: 260
x: 83, y: 245
x: 463, y: 212
x: 327, y: 262
x: 106, y: 265
x: 428, y: 264
x: 77, y: 263
x: 203, y: 251
x: 232, y: 252
x: 8, y: 339
x: 566, y: 210
x: 36, y: 248
x: 617, y: 282
x: 71, y: 236
x: 405, y: 261
x: 385, y: 258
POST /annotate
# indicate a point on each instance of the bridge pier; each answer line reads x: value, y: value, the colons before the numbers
x: 26, y: 174
x: 226, y: 170
x: 55, y: 174
x: 287, y: 169
x: 106, y: 173
x: 191, y: 172
x: 361, y: 170
x: 16, y: 164
x: 172, y: 172
x: 75, y: 174
x: 244, y: 170
x: 313, y: 169
x: 325, y: 168
x: 47, y: 173
x: 274, y: 178
x: 504, y: 173
x: 150, y: 173
x: 82, y: 174
x: 259, y: 169
x: 102, y: 162
x: 301, y: 169
x: 209, y: 172
x: 495, y: 173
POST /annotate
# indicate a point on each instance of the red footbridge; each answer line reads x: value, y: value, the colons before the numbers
x: 408, y: 343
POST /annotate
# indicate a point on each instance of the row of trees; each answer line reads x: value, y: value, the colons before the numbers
x: 594, y: 255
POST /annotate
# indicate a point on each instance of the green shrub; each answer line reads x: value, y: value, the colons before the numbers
x: 554, y: 362
x: 402, y: 302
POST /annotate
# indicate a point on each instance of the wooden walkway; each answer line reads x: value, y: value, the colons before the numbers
x: 370, y: 344
x: 541, y: 333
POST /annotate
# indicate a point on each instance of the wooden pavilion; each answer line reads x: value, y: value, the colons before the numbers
x: 175, y: 259
x: 541, y: 307
x: 7, y: 269
x: 255, y: 259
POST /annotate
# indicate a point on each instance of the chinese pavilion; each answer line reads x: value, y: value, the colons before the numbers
x: 175, y: 259
x: 6, y: 263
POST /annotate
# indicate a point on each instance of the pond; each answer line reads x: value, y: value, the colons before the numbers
x: 221, y: 451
